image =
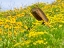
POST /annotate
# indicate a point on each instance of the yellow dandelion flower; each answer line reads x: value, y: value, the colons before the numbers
x: 16, y: 27
x: 20, y: 15
x: 6, y: 26
x: 7, y: 20
x: 9, y: 34
x: 37, y: 22
x: 19, y: 23
x: 40, y: 41
x: 40, y: 33
x: 25, y: 27
x: 27, y: 42
x: 12, y: 20
x: 35, y: 34
x: 1, y: 22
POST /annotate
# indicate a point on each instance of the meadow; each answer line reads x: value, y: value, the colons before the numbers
x: 19, y: 28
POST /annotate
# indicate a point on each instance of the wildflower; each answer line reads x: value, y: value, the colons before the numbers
x: 35, y: 34
x: 25, y: 27
x: 40, y: 33
x: 40, y: 41
x: 6, y: 26
x: 26, y: 42
x: 1, y: 22
x: 9, y: 33
x: 12, y: 20
x: 37, y: 22
x: 7, y: 21
x: 19, y: 23
x: 20, y: 15
x: 16, y: 27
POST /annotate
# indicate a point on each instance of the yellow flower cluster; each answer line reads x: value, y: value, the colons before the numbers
x: 24, y: 43
x: 39, y: 42
x: 35, y: 34
x: 14, y: 27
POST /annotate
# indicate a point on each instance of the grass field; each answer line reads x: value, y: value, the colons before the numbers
x: 19, y: 29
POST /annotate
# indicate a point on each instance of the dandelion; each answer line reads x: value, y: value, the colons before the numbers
x: 12, y: 20
x: 40, y: 41
x: 1, y: 23
x: 7, y: 21
x: 19, y: 23
x: 37, y: 22
x: 20, y: 15
x: 35, y: 34
x: 25, y: 27
x: 9, y: 33
x: 27, y: 42
x: 6, y: 26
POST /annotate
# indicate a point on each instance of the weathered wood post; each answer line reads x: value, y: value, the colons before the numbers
x: 39, y: 15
